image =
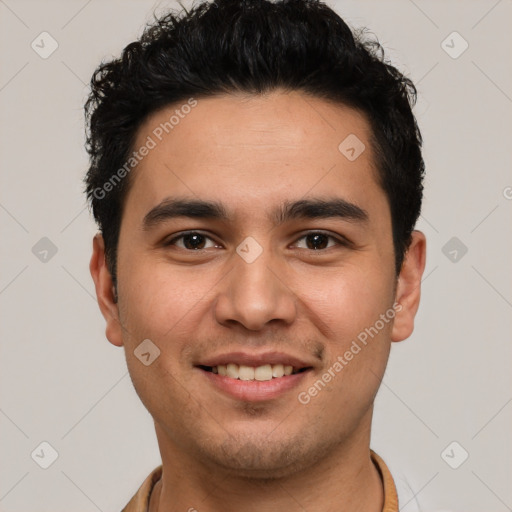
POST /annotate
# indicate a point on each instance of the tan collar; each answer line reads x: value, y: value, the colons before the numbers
x: 140, y: 502
x: 390, y: 495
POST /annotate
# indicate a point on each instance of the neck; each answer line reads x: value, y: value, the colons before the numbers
x: 346, y: 481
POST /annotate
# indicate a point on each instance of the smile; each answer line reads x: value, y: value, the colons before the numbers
x: 247, y: 373
x: 260, y: 383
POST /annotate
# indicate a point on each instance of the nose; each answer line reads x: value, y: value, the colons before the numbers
x: 254, y: 295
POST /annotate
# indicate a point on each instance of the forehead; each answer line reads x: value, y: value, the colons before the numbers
x: 254, y: 150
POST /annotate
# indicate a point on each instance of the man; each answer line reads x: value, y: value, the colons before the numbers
x: 256, y: 174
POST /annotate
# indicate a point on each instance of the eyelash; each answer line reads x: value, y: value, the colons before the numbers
x: 339, y: 241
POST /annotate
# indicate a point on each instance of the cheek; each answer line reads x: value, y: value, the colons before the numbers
x: 346, y: 300
x: 357, y: 343
x: 158, y: 302
x: 164, y: 391
x: 159, y: 306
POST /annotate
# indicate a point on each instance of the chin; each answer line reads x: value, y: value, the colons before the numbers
x: 259, y: 457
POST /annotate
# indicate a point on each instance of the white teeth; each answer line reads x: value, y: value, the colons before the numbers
x: 277, y: 370
x: 260, y: 373
x: 263, y: 372
x: 232, y: 370
x: 245, y: 372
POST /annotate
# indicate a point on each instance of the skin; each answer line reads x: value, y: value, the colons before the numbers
x: 253, y: 153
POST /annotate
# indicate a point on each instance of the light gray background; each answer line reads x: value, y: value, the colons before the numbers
x: 63, y: 383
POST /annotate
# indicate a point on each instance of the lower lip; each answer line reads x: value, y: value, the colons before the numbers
x: 255, y: 390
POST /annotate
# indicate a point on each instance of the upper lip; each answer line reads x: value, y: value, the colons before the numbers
x: 255, y: 360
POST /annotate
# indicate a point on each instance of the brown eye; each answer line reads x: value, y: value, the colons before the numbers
x: 192, y: 241
x: 318, y: 241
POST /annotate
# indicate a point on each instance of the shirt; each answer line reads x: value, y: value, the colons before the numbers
x: 140, y: 502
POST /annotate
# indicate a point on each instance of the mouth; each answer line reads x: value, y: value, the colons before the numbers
x: 260, y: 373
x: 254, y: 377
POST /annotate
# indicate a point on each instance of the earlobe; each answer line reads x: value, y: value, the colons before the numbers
x: 409, y: 287
x: 105, y: 291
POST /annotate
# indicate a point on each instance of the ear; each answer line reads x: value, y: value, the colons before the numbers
x: 408, y: 289
x: 105, y: 291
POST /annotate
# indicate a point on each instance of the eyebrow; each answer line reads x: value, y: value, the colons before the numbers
x: 313, y: 208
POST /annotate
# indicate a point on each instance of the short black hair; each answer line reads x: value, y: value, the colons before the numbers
x: 253, y: 47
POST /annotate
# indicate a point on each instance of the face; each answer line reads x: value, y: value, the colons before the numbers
x: 252, y: 246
